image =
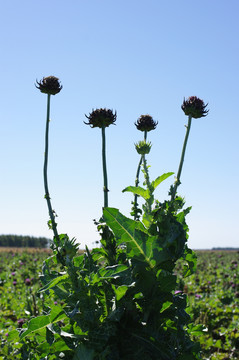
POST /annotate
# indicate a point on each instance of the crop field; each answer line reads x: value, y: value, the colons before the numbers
x: 213, y: 299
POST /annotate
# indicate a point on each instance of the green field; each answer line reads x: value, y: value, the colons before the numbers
x: 213, y: 299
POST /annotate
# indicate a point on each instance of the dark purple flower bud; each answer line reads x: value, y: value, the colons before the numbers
x: 198, y: 296
x: 146, y: 123
x: 20, y: 322
x: 101, y: 118
x: 14, y: 283
x: 49, y: 85
x: 27, y: 282
x: 194, y: 107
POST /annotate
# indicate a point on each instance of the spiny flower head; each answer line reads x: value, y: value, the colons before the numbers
x: 101, y: 118
x: 143, y: 147
x: 49, y: 85
x: 146, y: 123
x: 20, y: 322
x: 195, y: 107
x: 27, y: 282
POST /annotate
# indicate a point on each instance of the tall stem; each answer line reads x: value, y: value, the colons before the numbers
x: 137, y: 179
x: 105, y: 188
x: 177, y: 182
x: 47, y: 195
x: 148, y: 185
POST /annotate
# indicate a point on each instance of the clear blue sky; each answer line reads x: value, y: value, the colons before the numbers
x: 136, y: 57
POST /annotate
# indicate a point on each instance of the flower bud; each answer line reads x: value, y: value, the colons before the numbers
x: 101, y: 118
x: 49, y: 85
x: 143, y: 147
x: 145, y: 123
x: 27, y: 282
x: 194, y: 107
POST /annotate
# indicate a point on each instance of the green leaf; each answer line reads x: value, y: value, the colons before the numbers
x: 218, y: 344
x: 166, y: 280
x: 181, y: 216
x: 120, y: 291
x: 54, y: 282
x: 112, y: 272
x: 43, y: 348
x: 196, y: 330
x: 138, y: 190
x: 59, y: 346
x: 147, y: 219
x: 191, y: 259
x: 165, y: 306
x: 139, y: 244
x: 78, y: 260
x: 160, y: 179
x: 13, y: 335
x: 41, y: 322
x: 83, y: 353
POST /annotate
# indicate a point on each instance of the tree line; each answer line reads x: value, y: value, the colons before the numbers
x: 23, y: 241
x: 225, y: 248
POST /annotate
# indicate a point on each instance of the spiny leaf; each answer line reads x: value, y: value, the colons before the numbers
x: 138, y: 190
x: 41, y: 322
x: 13, y: 335
x: 139, y: 243
x: 147, y: 219
x: 191, y: 259
x: 160, y: 179
x: 83, y: 353
x: 111, y: 272
x: 165, y: 306
x: 120, y: 291
x: 55, y: 282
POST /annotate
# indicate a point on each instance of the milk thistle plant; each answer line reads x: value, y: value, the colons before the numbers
x: 102, y: 118
x: 119, y: 301
x: 145, y: 123
x: 194, y: 108
x: 49, y: 85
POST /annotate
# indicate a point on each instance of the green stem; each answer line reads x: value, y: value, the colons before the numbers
x: 177, y: 182
x: 147, y: 181
x: 137, y: 179
x: 47, y: 195
x: 105, y: 188
x: 136, y: 185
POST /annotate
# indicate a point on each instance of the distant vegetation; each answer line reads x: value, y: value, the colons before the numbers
x: 225, y: 248
x: 23, y: 241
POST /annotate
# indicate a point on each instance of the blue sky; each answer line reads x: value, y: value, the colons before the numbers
x: 135, y: 57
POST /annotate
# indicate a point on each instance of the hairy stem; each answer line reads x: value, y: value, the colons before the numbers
x: 47, y: 195
x: 148, y: 185
x: 105, y: 188
x: 177, y: 182
x: 137, y: 180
